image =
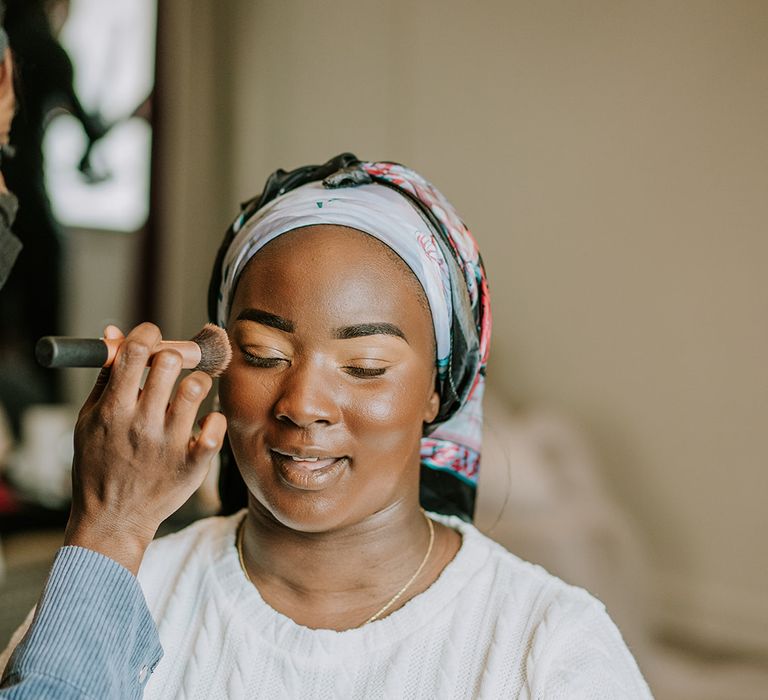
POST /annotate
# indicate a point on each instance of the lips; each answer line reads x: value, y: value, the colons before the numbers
x: 308, y: 460
x: 308, y: 470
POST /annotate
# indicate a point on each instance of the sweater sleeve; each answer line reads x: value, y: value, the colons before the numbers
x: 92, y: 635
x: 578, y: 654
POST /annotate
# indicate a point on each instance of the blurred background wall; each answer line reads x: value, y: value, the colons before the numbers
x: 612, y: 160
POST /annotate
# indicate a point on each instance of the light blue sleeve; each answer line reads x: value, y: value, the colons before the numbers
x: 92, y: 635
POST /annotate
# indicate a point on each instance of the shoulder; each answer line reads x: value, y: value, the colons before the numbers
x: 200, y: 540
x: 515, y: 581
x: 202, y: 533
x: 189, y: 552
x: 577, y: 651
x: 572, y: 648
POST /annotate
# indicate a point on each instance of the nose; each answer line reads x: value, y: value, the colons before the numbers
x: 306, y: 397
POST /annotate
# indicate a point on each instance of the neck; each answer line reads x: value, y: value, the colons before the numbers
x: 335, y: 579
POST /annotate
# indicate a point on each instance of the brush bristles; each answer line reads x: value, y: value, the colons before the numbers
x: 215, y: 350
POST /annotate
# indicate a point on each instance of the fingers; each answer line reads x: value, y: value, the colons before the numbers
x: 210, y: 439
x: 158, y: 386
x: 103, y: 378
x: 180, y: 418
x: 113, y: 332
x: 129, y: 364
x: 98, y: 388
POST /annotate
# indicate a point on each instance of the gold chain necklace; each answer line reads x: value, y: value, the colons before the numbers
x: 390, y: 602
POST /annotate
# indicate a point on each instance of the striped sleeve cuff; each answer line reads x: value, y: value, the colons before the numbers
x: 92, y: 629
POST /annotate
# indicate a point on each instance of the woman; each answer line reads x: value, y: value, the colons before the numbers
x: 356, y: 305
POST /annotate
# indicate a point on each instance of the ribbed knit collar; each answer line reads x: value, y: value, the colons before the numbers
x: 282, y: 633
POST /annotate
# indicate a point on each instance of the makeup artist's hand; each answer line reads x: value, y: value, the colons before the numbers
x: 136, y: 461
x: 7, y: 103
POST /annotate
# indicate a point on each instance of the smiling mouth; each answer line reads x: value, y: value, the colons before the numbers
x: 308, y: 461
x: 308, y: 472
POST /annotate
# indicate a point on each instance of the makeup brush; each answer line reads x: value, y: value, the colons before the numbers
x: 208, y: 351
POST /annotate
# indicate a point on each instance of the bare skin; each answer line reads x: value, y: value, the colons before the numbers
x: 7, y: 103
x: 333, y: 358
x: 351, y: 382
x: 135, y: 460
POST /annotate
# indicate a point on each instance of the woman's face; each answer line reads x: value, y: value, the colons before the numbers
x: 332, y: 378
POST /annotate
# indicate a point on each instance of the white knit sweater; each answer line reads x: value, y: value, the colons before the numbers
x: 492, y: 626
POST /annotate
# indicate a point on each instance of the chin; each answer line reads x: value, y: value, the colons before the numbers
x: 310, y: 513
x: 296, y: 508
x: 319, y: 511
x: 324, y: 495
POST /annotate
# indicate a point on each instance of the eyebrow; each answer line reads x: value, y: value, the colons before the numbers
x: 358, y: 330
x: 266, y: 319
x: 361, y: 330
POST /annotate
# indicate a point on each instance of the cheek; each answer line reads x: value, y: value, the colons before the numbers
x: 389, y: 414
x: 377, y: 408
x: 244, y: 403
x: 385, y: 415
x: 243, y: 400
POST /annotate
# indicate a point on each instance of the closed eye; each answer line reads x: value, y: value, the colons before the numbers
x: 366, y: 371
x: 264, y: 362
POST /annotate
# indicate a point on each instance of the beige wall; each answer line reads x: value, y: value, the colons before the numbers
x: 612, y: 159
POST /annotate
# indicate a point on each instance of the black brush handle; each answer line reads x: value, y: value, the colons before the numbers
x: 57, y: 351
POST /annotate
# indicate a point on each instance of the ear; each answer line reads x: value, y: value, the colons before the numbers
x: 433, y: 406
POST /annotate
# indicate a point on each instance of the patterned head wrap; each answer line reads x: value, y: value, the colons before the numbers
x: 400, y: 208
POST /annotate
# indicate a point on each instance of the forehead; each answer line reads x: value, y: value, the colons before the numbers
x: 342, y: 274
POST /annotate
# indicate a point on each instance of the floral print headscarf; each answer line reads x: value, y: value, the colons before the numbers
x: 399, y: 207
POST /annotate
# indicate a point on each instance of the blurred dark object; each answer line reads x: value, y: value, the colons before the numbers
x: 30, y: 303
x: 8, y: 502
x: 28, y: 517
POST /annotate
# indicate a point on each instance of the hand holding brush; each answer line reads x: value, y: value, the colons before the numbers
x: 136, y: 458
x: 209, y: 351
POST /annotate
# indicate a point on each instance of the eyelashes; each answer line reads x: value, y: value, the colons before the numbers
x: 274, y: 362
x: 263, y: 362
x: 365, y: 371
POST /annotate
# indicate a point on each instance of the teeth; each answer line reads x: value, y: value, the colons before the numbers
x: 304, y: 459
